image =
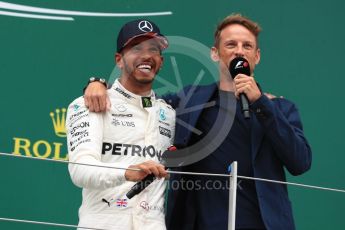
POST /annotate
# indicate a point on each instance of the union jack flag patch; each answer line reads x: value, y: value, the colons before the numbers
x: 121, y: 202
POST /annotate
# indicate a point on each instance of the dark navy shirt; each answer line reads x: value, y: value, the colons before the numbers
x: 213, y: 195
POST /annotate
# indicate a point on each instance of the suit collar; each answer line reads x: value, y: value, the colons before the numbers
x: 256, y: 136
x: 199, y: 95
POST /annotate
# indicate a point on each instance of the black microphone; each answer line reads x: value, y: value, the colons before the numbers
x: 141, y: 185
x: 240, y: 65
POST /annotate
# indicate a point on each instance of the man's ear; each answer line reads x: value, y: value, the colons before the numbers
x: 118, y: 60
x: 257, y: 56
x: 214, y: 54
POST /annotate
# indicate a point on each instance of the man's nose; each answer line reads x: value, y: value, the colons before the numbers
x: 239, y: 52
x: 146, y: 53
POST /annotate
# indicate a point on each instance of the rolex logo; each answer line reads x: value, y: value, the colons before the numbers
x: 59, y: 119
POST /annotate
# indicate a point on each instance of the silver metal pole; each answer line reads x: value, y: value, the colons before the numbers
x: 232, y: 196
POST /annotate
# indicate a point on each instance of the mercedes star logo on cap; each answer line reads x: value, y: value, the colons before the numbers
x: 145, y: 26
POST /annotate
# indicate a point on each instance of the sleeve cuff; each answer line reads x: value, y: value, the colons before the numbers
x: 260, y: 106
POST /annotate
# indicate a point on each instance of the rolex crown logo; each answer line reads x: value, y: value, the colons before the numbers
x: 59, y: 119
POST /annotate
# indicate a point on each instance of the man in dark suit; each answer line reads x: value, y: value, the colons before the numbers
x: 271, y: 140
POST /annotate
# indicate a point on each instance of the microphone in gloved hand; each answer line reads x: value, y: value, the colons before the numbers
x: 241, y: 65
x: 141, y: 185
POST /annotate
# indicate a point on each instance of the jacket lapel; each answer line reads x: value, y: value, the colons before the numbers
x: 189, y: 110
x: 256, y: 136
x: 198, y: 101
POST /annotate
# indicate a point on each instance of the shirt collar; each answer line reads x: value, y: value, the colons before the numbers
x: 132, y: 98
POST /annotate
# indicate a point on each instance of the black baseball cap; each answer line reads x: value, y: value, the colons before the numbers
x: 137, y: 28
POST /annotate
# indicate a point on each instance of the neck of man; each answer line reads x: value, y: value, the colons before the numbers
x: 226, y: 83
x: 138, y: 88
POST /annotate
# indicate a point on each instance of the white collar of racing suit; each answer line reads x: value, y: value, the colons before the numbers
x: 131, y: 97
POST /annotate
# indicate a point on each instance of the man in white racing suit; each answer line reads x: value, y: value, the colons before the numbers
x: 133, y: 133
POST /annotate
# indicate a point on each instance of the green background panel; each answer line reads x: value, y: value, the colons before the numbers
x: 45, y: 64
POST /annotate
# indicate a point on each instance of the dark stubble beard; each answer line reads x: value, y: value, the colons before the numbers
x: 130, y: 72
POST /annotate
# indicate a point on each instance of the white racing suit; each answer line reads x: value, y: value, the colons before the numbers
x: 136, y: 129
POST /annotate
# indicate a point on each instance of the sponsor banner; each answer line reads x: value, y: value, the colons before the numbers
x: 46, y: 147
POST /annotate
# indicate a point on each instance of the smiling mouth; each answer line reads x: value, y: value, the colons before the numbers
x: 145, y: 68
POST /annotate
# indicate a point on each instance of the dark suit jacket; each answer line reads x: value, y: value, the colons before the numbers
x: 277, y: 142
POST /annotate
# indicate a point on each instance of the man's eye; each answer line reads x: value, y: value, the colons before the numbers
x: 154, y: 50
x: 248, y: 46
x: 136, y: 48
x: 231, y: 45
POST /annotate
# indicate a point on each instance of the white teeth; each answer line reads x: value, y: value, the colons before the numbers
x: 144, y: 67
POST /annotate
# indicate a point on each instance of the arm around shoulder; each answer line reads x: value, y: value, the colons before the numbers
x: 96, y: 97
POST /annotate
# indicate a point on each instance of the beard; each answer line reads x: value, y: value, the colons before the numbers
x: 132, y: 73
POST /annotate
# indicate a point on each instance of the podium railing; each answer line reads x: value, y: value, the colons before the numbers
x: 233, y: 176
